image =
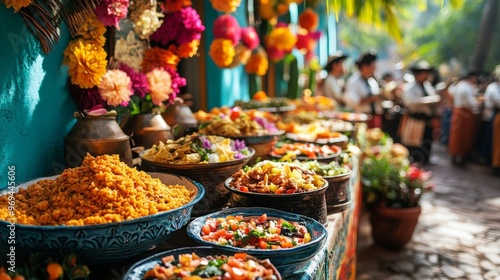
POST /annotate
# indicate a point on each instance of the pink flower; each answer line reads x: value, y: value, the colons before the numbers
x: 140, y: 84
x: 160, y: 83
x: 110, y: 12
x: 116, y: 88
x: 227, y: 27
x: 177, y: 83
x: 85, y: 98
x: 250, y: 38
x: 180, y: 27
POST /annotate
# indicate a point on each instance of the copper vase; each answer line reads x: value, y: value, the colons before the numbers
x: 96, y: 135
x: 148, y: 129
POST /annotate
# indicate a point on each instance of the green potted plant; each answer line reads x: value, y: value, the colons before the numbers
x: 392, y: 192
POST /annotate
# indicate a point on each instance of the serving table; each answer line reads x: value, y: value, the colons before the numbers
x: 336, y: 260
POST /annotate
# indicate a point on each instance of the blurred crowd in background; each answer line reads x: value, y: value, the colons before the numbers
x: 417, y: 108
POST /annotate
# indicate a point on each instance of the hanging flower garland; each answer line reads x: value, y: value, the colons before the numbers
x: 279, y: 42
x: 233, y: 44
x: 95, y: 83
x: 307, y: 36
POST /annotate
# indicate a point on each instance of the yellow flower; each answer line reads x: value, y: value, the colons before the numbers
x: 17, y: 4
x: 94, y: 30
x: 160, y: 84
x: 222, y: 52
x: 188, y: 49
x: 257, y: 63
x: 87, y: 62
x: 282, y: 39
x: 116, y: 88
x: 159, y: 58
x: 226, y: 6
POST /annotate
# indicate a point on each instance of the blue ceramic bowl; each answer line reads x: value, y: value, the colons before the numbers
x: 137, y: 270
x: 105, y: 243
x: 288, y: 260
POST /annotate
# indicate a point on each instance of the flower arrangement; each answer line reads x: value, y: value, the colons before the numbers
x: 96, y: 83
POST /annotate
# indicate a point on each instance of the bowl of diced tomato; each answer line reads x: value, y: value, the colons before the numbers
x: 305, y: 151
x: 202, y: 263
x: 288, y: 240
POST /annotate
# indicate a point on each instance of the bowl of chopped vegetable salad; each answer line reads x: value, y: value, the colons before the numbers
x: 288, y: 240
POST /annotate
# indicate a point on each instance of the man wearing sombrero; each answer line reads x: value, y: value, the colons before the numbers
x: 362, y: 90
x: 420, y: 100
x: 333, y: 83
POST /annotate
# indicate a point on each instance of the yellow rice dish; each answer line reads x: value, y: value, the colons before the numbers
x: 102, y: 190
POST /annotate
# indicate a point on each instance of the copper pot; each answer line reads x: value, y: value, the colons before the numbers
x: 96, y: 135
x: 148, y: 129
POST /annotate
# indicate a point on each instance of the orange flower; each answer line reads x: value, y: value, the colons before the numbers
x: 266, y: 10
x: 17, y: 4
x: 159, y: 58
x: 176, y: 5
x: 257, y: 63
x: 188, y: 50
x: 309, y: 20
x: 87, y: 62
x: 281, y: 38
x: 260, y: 96
x: 222, y: 52
x: 226, y: 6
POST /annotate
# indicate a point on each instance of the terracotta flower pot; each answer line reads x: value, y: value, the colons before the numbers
x: 393, y: 227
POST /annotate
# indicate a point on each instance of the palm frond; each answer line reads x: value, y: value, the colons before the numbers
x: 43, y: 18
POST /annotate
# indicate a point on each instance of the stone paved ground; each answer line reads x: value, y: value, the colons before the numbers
x: 458, y: 234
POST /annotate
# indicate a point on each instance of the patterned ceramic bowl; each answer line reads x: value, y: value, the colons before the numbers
x: 288, y: 260
x: 105, y: 243
x: 138, y: 269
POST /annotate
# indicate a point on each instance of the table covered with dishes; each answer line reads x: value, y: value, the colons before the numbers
x: 251, y: 195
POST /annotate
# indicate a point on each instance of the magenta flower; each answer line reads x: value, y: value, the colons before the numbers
x: 110, y: 12
x: 85, y: 98
x: 250, y: 38
x: 180, y: 27
x: 227, y: 27
x: 140, y: 84
x: 193, y: 25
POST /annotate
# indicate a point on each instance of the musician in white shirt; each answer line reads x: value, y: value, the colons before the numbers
x: 492, y: 103
x: 362, y: 90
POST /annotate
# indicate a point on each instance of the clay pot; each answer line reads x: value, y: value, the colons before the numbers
x: 393, y: 227
x: 338, y: 194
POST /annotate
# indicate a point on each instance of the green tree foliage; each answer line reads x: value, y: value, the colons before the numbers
x: 442, y: 34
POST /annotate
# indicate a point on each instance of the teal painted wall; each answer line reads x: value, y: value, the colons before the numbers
x: 224, y: 86
x: 36, y: 110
